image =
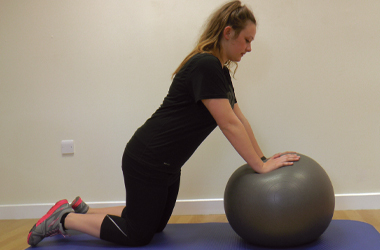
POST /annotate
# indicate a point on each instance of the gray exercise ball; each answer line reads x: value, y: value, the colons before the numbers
x: 287, y: 207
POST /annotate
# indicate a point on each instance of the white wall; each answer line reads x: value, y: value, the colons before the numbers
x: 93, y: 71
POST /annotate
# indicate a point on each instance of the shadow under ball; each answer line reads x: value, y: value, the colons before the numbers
x: 287, y: 207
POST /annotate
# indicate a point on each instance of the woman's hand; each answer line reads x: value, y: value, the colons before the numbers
x: 285, y: 153
x: 280, y: 160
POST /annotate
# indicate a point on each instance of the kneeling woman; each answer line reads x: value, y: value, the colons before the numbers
x: 200, y: 98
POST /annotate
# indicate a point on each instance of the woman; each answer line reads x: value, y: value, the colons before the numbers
x: 200, y: 98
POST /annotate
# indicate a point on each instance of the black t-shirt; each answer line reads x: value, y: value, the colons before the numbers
x: 172, y: 134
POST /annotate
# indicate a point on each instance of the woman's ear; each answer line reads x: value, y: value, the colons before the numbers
x: 228, y: 32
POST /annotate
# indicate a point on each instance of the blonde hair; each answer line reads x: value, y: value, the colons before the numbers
x: 232, y: 14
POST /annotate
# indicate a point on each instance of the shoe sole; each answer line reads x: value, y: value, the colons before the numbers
x: 47, y: 215
x: 77, y: 203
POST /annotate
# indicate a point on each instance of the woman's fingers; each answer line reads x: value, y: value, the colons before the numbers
x: 288, y: 159
x: 284, y: 153
x: 285, y: 160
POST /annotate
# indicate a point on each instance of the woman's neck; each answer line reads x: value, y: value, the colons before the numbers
x: 220, y: 56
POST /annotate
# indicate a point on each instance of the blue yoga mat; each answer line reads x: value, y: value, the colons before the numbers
x: 341, y: 234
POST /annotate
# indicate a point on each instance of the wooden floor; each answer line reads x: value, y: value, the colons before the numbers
x: 13, y: 233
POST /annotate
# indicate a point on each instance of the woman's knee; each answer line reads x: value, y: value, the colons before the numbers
x: 114, y: 229
x: 142, y: 240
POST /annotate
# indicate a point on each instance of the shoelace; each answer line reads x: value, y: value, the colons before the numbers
x: 56, y: 232
x: 53, y: 232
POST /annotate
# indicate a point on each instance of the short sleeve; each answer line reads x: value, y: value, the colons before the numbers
x: 208, y: 80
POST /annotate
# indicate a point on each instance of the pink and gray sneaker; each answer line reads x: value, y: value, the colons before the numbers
x: 79, y: 206
x: 50, y: 223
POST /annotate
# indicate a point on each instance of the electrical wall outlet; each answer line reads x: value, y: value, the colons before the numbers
x: 67, y: 147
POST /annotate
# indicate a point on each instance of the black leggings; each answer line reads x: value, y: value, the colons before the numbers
x: 151, y: 196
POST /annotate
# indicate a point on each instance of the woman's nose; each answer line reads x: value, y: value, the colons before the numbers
x: 248, y: 49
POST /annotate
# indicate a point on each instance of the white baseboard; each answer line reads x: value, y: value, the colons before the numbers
x: 362, y: 201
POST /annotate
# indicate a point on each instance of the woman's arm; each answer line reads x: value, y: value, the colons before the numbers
x: 248, y: 128
x: 235, y: 132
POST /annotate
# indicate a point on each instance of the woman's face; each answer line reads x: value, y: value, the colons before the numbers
x: 236, y: 47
